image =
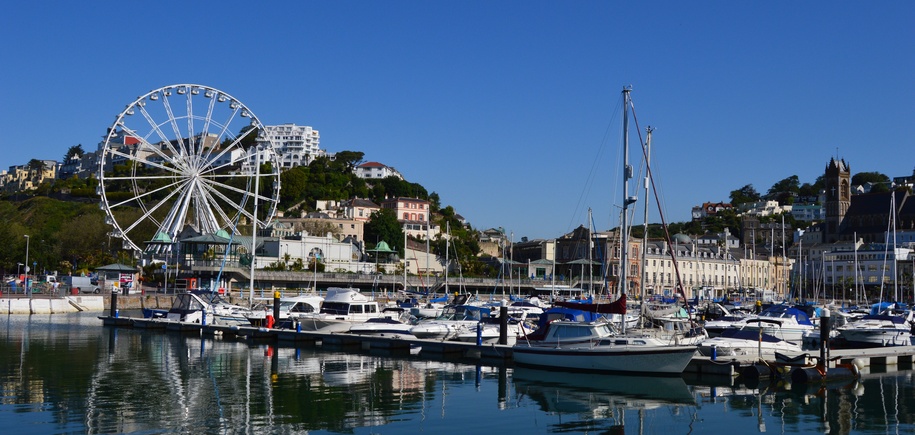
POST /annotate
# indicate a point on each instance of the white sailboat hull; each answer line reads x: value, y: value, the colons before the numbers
x: 662, y: 359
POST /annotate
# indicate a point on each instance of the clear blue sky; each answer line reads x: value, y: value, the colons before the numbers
x: 507, y: 109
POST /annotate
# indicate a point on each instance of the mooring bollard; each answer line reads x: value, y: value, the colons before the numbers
x: 714, y: 352
x: 479, y: 333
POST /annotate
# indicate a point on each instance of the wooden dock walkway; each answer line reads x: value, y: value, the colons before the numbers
x: 491, y: 354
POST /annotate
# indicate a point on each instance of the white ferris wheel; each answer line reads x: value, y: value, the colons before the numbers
x: 183, y: 155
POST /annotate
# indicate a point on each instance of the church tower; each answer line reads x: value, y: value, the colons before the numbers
x: 838, y: 197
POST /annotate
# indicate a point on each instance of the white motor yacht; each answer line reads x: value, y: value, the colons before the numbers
x: 341, y: 309
x: 291, y: 308
x: 746, y: 341
x: 879, y: 330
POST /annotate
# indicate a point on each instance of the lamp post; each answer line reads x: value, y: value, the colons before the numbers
x: 27, y: 289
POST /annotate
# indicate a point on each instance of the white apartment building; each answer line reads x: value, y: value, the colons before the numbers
x: 766, y: 208
x: 296, y: 145
x: 375, y: 170
x: 808, y: 212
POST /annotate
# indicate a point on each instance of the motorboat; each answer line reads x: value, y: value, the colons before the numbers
x: 597, y: 347
x: 223, y: 312
x: 454, y: 320
x: 206, y: 308
x: 188, y: 307
x: 341, y: 309
x: 435, y: 308
x: 747, y: 341
x: 880, y: 330
x: 394, y: 322
x: 291, y: 309
x: 783, y: 321
x: 488, y: 331
x: 719, y: 318
x: 429, y: 309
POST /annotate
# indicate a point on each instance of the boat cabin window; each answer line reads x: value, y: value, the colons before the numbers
x: 187, y: 302
x: 355, y: 309
x: 302, y: 308
x: 603, y: 330
x: 566, y: 333
x: 336, y: 308
x: 371, y: 308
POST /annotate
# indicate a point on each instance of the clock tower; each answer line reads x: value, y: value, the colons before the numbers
x: 838, y: 197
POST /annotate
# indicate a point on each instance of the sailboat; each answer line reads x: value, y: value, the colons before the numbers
x: 600, y: 346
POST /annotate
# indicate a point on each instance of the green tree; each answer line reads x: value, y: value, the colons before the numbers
x: 75, y: 150
x: 349, y: 159
x: 785, y: 190
x: 436, y: 202
x: 744, y: 195
x: 293, y: 185
x: 36, y: 165
x: 813, y: 190
x: 384, y: 226
x: 879, y: 182
x: 248, y: 135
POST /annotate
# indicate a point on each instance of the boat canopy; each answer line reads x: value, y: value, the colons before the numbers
x: 615, y: 307
x: 785, y: 311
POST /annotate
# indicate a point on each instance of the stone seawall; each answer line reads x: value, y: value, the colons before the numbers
x: 89, y: 303
x: 66, y: 304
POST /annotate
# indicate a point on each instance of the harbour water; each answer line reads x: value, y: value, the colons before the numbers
x: 66, y: 373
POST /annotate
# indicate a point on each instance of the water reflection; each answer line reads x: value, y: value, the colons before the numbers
x: 67, y: 374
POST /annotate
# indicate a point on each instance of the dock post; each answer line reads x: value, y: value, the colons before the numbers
x: 824, y: 339
x: 479, y: 333
x: 503, y: 325
x: 114, y: 305
x: 276, y: 306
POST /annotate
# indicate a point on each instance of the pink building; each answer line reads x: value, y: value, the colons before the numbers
x: 408, y: 209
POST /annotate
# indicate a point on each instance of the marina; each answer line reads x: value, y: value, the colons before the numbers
x: 67, y: 374
x: 730, y: 365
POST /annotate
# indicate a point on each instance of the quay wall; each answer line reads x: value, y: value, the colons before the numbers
x: 66, y: 304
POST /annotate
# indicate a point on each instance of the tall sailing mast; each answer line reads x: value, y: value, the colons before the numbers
x: 627, y: 200
x: 643, y: 279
